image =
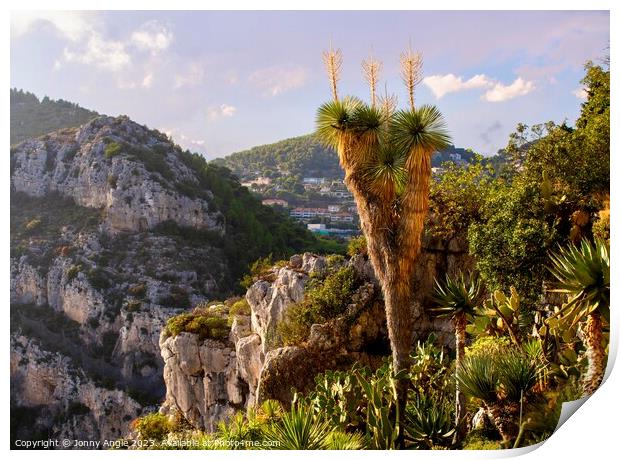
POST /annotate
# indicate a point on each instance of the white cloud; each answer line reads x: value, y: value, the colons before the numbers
x: 147, y: 81
x: 108, y: 55
x: 441, y: 85
x: 277, y: 80
x: 73, y: 25
x: 500, y: 92
x: 192, y: 77
x: 580, y: 93
x: 152, y: 36
x: 221, y: 111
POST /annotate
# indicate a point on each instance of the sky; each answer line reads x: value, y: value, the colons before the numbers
x: 223, y: 81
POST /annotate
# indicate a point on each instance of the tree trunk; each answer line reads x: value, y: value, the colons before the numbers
x: 460, y: 323
x: 399, y: 316
x: 503, y: 414
x: 593, y: 340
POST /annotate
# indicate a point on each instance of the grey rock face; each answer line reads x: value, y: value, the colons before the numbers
x: 49, y: 384
x: 134, y: 195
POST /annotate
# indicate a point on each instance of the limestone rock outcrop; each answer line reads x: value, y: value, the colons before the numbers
x: 254, y: 366
x: 96, y: 166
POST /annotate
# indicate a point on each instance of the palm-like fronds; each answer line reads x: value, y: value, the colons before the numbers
x: 457, y: 294
x: 299, y: 429
x: 583, y: 273
x: 339, y: 440
x: 385, y: 174
x: 478, y: 377
x: 518, y: 374
x: 419, y: 131
x: 333, y: 118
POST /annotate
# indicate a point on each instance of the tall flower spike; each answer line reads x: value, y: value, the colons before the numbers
x: 333, y: 61
x: 388, y: 103
x: 371, y: 69
x: 411, y: 72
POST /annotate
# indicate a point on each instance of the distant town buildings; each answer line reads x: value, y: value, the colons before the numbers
x: 311, y: 213
x: 275, y: 202
x: 314, y: 180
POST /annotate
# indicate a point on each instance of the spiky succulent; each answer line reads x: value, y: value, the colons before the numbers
x: 456, y: 294
x: 583, y: 274
x: 299, y: 429
x: 478, y: 377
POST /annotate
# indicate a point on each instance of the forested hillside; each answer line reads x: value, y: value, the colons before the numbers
x: 303, y: 156
x: 31, y: 117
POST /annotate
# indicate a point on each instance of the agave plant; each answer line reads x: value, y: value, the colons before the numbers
x: 299, y: 429
x: 386, y: 157
x: 457, y: 297
x: 583, y: 274
x: 429, y: 422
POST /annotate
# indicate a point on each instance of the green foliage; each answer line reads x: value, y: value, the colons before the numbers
x: 457, y: 197
x: 511, y: 241
x: 379, y: 391
x: 518, y: 373
x: 457, y: 295
x: 240, y: 307
x: 44, y: 218
x: 429, y: 422
x: 338, y: 395
x: 112, y: 149
x: 299, y: 429
x: 490, y: 375
x: 430, y: 371
x: 202, y: 321
x: 478, y: 377
x: 258, y: 269
x: 357, y: 245
x: 73, y: 272
x: 422, y: 128
x: 31, y: 117
x: 339, y: 440
x: 477, y: 440
x: 153, y: 426
x: 238, y: 430
x: 501, y: 316
x: 583, y: 274
x: 324, y: 299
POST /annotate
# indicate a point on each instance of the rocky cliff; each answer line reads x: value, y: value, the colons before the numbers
x: 114, y: 229
x: 207, y: 381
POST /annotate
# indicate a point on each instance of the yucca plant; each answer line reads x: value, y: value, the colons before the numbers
x: 386, y: 157
x: 582, y: 273
x: 299, y: 429
x: 457, y: 297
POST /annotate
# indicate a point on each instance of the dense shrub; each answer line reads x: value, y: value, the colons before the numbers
x: 357, y: 245
x: 324, y: 299
x: 112, y: 149
x: 240, y: 307
x: 153, y: 426
x: 202, y: 321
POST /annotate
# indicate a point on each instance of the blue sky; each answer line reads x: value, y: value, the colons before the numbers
x: 219, y: 82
